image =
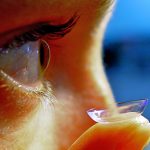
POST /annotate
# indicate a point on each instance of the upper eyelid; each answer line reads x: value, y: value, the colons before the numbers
x: 54, y: 30
x: 42, y: 29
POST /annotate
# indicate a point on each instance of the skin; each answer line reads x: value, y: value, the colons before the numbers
x: 52, y: 113
x: 114, y: 136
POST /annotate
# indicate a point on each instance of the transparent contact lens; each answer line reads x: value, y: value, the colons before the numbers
x: 124, y: 111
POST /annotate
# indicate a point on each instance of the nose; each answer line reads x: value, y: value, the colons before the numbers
x: 76, y: 66
x: 77, y: 77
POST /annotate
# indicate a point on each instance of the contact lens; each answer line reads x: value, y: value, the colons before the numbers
x: 124, y: 111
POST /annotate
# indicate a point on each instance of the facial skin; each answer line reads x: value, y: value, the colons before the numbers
x: 51, y: 114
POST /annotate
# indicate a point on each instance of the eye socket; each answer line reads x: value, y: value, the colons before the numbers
x: 27, y: 63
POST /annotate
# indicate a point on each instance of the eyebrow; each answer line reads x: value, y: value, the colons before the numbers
x: 52, y: 32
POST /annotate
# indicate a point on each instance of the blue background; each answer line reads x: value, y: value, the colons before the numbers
x: 127, y: 51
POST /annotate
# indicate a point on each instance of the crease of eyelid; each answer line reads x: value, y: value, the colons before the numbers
x: 52, y: 32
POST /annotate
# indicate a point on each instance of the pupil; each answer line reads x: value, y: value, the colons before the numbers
x: 44, y: 54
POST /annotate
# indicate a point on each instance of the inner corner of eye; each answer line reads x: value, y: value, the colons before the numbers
x: 27, y: 62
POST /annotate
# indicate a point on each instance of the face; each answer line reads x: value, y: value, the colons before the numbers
x: 51, y: 71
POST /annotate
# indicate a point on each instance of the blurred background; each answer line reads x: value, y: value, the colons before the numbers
x: 127, y: 51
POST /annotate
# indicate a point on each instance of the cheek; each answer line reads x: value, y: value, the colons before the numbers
x: 15, y: 105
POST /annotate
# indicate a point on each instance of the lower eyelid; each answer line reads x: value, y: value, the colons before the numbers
x: 42, y: 91
x: 11, y: 83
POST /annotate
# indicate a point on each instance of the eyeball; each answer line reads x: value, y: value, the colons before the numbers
x: 123, y: 112
x: 26, y: 63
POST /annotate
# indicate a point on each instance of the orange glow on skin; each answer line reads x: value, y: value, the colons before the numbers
x: 76, y: 75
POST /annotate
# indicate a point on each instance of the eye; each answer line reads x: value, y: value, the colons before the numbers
x: 26, y: 63
x: 26, y: 57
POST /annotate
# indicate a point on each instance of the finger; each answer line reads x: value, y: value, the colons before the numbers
x: 130, y: 135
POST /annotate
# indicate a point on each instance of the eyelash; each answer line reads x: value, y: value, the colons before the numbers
x: 52, y: 32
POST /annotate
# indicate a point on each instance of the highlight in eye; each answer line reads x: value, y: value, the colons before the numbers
x: 26, y: 63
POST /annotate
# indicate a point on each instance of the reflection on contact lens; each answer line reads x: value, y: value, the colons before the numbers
x: 124, y: 111
x: 24, y: 63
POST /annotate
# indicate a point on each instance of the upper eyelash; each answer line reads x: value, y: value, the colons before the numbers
x: 41, y: 30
